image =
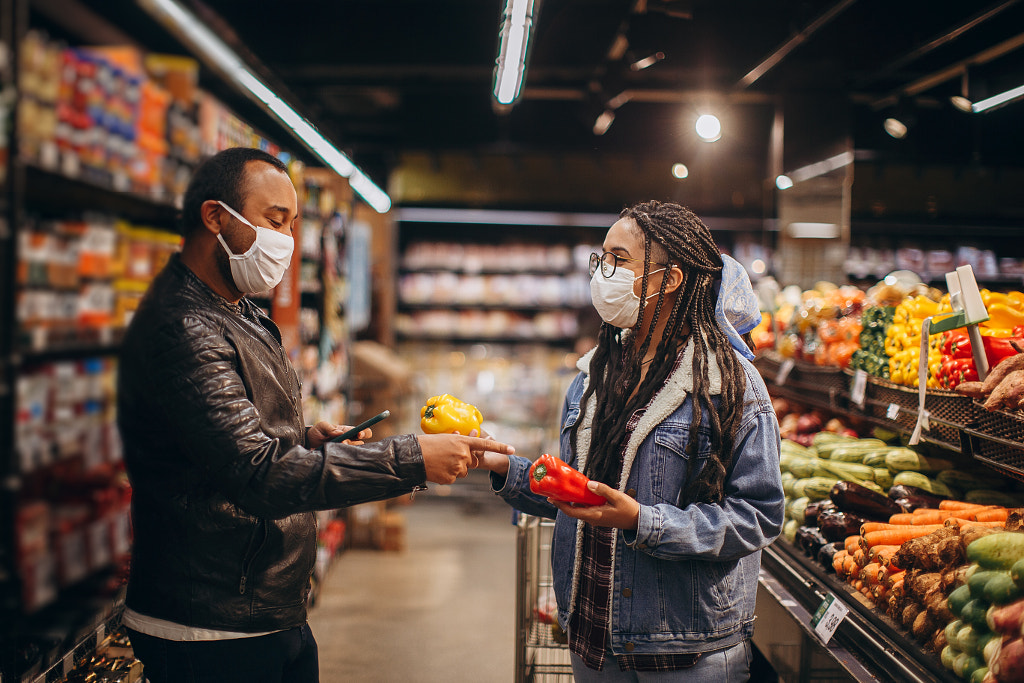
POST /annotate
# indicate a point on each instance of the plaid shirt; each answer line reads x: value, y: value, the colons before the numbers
x: 589, y: 621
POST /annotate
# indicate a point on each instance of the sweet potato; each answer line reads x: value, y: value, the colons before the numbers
x: 909, y: 614
x: 1000, y: 371
x: 1007, y: 619
x: 972, y: 389
x: 923, y: 627
x: 1008, y: 666
x: 1007, y: 394
x: 938, y: 608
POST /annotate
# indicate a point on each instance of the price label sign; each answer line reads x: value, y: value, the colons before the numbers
x: 829, y: 615
x: 859, y: 387
x: 784, y: 370
x: 893, y: 411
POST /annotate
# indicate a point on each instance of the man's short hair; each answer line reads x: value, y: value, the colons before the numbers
x: 221, y: 177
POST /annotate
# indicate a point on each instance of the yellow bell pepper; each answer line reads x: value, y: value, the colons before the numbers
x: 446, y: 414
x: 1005, y: 316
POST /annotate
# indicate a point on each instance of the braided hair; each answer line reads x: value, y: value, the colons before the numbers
x: 672, y: 234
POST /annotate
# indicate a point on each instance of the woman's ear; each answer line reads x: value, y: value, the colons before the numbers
x: 675, y: 278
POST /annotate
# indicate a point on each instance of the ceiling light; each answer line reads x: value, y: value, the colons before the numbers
x: 962, y: 103
x: 895, y: 128
x: 604, y: 122
x: 821, y: 231
x: 646, y: 62
x: 709, y: 128
x: 515, y: 36
x: 758, y: 266
x: 222, y: 58
x: 998, y: 100
x: 783, y: 182
x: 680, y: 171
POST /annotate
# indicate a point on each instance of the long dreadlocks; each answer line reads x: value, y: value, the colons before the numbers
x: 672, y: 234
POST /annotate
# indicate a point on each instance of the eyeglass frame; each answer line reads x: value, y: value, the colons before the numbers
x: 615, y: 262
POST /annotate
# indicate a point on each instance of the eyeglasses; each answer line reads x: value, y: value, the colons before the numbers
x: 608, y: 262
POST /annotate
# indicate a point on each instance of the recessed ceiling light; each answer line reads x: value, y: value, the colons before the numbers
x: 680, y: 171
x: 709, y: 128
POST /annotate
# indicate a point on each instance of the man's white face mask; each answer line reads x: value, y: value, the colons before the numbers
x: 614, y: 298
x: 261, y: 267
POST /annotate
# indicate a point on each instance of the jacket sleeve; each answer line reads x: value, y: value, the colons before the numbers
x: 514, y: 488
x: 749, y: 517
x: 203, y: 396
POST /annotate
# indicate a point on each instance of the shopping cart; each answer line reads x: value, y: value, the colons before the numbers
x: 539, y: 657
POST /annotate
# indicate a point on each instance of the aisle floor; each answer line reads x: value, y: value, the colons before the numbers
x: 442, y: 609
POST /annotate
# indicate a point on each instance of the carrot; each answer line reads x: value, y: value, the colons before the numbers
x: 995, y: 524
x: 898, y: 535
x: 869, y: 573
x: 867, y: 527
x: 902, y: 518
x: 928, y: 516
x: 837, y: 562
x: 890, y: 580
x: 882, y: 553
x: 959, y: 505
x: 851, y: 544
x: 992, y: 515
x: 849, y: 567
x: 860, y: 557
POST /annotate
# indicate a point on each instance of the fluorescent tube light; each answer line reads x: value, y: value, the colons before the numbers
x: 821, y: 167
x: 515, y: 36
x: 997, y: 100
x: 820, y: 231
x: 206, y: 44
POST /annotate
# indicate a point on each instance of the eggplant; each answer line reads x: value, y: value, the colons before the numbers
x: 827, y: 552
x: 815, y: 509
x: 810, y: 540
x: 836, y: 526
x: 862, y: 501
x: 915, y: 497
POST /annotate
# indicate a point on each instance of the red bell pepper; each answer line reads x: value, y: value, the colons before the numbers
x: 958, y: 345
x: 953, y: 371
x: 553, y: 478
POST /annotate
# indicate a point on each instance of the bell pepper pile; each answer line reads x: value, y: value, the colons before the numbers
x: 871, y: 356
x: 958, y: 360
x: 839, y: 340
x: 824, y: 328
x: 903, y: 337
x: 446, y: 414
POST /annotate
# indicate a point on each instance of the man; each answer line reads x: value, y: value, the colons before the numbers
x: 225, y: 475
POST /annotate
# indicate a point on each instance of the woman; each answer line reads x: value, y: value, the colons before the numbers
x: 676, y: 430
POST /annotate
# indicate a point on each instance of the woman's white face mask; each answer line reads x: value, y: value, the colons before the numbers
x: 614, y: 298
x: 263, y: 265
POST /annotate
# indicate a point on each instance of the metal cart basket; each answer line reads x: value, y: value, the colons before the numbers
x: 539, y: 657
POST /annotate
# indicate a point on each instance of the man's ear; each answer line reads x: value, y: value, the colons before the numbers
x: 210, y: 213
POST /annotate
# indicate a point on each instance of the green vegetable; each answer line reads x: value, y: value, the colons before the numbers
x: 974, y: 613
x: 997, y: 551
x: 1001, y: 590
x: 922, y: 482
x: 979, y: 579
x: 957, y: 600
x: 1017, y: 573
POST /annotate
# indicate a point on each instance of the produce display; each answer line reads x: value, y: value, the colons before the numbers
x: 824, y: 327
x: 936, y: 545
x: 1003, y: 388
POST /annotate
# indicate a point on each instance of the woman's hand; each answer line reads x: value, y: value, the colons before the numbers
x: 323, y: 431
x: 620, y: 512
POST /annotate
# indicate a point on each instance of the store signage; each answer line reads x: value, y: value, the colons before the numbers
x: 829, y: 615
x: 784, y: 370
x: 859, y: 387
x: 893, y: 411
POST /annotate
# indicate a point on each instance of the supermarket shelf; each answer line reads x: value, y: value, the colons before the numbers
x: 85, y: 646
x: 58, y: 192
x: 457, y: 306
x: 879, y: 649
x: 64, y: 351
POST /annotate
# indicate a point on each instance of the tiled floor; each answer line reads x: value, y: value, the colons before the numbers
x: 441, y: 610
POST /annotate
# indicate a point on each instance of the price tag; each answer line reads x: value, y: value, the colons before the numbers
x: 784, y: 370
x: 829, y: 615
x: 859, y: 387
x: 893, y: 411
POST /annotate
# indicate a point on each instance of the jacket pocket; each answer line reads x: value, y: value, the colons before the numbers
x: 257, y: 539
x: 672, y: 456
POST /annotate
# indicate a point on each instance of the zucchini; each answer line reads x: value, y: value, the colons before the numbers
x: 815, y: 488
x: 922, y: 482
x: 967, y: 640
x: 843, y: 450
x: 948, y: 656
x: 788, y: 479
x: 802, y: 467
x: 1001, y: 589
x: 790, y: 446
x: 979, y: 579
x: 824, y: 437
x: 1017, y: 573
x: 960, y: 596
x: 848, y: 471
x: 909, y: 460
x: 883, y: 477
x: 875, y: 458
x: 975, y: 613
x: 789, y: 530
x: 796, y: 507
x: 997, y: 551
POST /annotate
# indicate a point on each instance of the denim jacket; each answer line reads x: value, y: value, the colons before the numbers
x: 686, y: 579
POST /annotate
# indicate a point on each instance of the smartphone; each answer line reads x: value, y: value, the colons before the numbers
x: 354, y: 432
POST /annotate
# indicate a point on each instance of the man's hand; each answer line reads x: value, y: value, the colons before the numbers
x: 620, y: 512
x: 322, y: 432
x: 448, y: 457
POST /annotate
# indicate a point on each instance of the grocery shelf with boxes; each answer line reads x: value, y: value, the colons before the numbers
x: 898, y: 495
x: 101, y: 145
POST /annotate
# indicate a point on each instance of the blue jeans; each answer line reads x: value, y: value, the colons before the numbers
x: 283, y: 657
x: 731, y: 665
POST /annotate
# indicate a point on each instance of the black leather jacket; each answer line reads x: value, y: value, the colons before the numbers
x: 223, y: 487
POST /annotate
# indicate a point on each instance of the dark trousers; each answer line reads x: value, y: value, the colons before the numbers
x: 284, y: 657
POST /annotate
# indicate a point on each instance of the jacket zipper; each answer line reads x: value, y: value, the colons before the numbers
x: 250, y: 555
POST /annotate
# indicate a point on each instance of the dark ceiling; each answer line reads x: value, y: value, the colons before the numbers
x: 387, y: 78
